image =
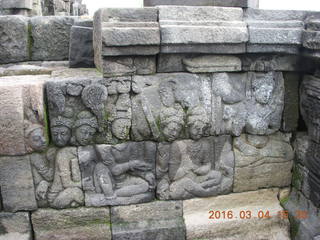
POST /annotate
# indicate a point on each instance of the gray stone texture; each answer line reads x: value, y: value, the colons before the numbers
x: 15, y: 226
x: 118, y: 175
x: 128, y: 65
x: 290, y: 118
x: 10, y: 4
x: 50, y: 37
x: 125, y: 32
x: 188, y: 169
x: 262, y: 162
x: 183, y: 28
x: 57, y: 178
x: 17, y: 189
x: 196, y: 213
x: 156, y: 220
x: 81, y: 44
x: 16, y: 70
x: 14, y: 39
x: 72, y: 224
x: 22, y: 127
x: 221, y: 3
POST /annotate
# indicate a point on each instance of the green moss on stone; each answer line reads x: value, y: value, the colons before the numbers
x: 30, y: 41
x: 294, y: 227
x: 296, y: 177
x: 284, y: 201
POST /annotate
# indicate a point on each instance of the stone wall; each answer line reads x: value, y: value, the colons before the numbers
x: 195, y: 111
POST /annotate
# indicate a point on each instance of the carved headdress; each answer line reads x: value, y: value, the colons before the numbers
x: 86, y: 118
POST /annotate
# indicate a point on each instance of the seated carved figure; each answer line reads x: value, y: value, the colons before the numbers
x: 65, y: 190
x: 116, y: 177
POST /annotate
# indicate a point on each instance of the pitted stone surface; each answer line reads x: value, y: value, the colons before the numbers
x: 72, y: 224
x: 118, y: 175
x: 221, y: 3
x: 17, y: 189
x: 51, y: 37
x: 15, y: 226
x: 262, y: 162
x: 189, y: 169
x: 14, y: 39
x: 196, y: 213
x: 157, y: 220
x: 11, y: 4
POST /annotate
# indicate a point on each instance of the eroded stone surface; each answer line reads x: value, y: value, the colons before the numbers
x: 222, y: 3
x: 188, y: 169
x: 57, y: 178
x: 16, y: 182
x: 118, y: 175
x: 14, y: 39
x: 156, y: 220
x: 262, y: 162
x: 15, y: 226
x: 196, y: 213
x: 72, y: 224
x: 50, y: 37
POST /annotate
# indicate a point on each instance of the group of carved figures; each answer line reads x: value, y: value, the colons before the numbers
x: 164, y: 107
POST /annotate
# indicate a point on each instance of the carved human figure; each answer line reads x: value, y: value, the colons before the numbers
x: 61, y: 129
x: 65, y: 190
x: 85, y: 126
x: 35, y: 138
x: 264, y: 113
x: 197, y: 122
x: 166, y: 93
x: 171, y: 122
x: 117, y: 177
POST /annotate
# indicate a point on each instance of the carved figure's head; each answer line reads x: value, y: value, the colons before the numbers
x: 263, y: 87
x: 121, y: 128
x: 35, y: 137
x: 86, y: 126
x: 197, y: 121
x: 61, y: 131
x: 171, y: 122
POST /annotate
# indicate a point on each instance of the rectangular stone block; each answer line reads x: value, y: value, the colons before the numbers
x: 80, y: 223
x: 262, y: 162
x: 187, y: 27
x: 154, y: 220
x: 88, y: 110
x: 204, y: 218
x: 273, y: 48
x: 118, y: 175
x: 23, y: 123
x: 127, y: 66
x: 81, y: 52
x: 16, y: 183
x: 14, y: 39
x: 57, y: 178
x: 15, y: 226
x: 11, y: 4
x: 188, y: 169
x: 51, y: 38
x: 221, y: 3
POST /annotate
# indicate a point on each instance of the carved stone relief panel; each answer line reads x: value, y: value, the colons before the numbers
x: 83, y: 112
x: 57, y: 178
x: 118, y: 174
x: 194, y: 168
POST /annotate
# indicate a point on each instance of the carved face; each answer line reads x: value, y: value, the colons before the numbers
x: 172, y: 131
x: 36, y: 139
x: 84, y: 134
x: 121, y: 128
x: 124, y: 86
x: 263, y: 93
x: 196, y: 130
x: 61, y: 135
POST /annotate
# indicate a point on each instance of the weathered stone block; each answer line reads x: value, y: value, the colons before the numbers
x: 157, y: 220
x: 57, y: 178
x: 16, y: 70
x: 17, y: 189
x: 14, y: 39
x: 221, y: 3
x: 51, y: 37
x: 204, y: 218
x: 184, y: 27
x: 118, y: 175
x: 22, y: 125
x: 188, y: 169
x: 81, y: 52
x: 124, y: 65
x: 262, y: 162
x: 273, y: 48
x: 15, y: 226
x: 125, y: 32
x: 291, y: 114
x: 89, y: 110
x: 80, y: 223
x: 11, y: 4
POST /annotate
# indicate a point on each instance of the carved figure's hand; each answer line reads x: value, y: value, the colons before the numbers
x: 139, y: 165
